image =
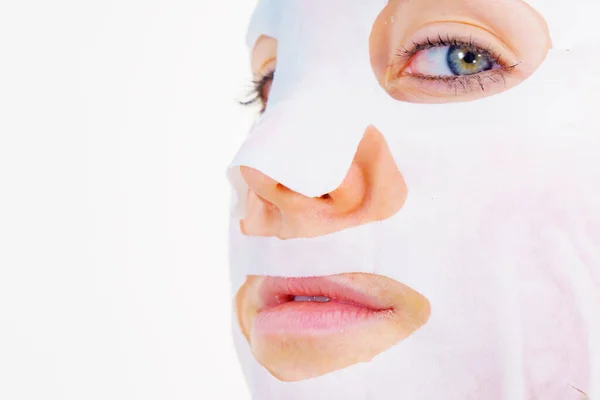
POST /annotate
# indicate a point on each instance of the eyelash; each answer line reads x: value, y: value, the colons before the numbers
x: 464, y: 82
x: 256, y: 95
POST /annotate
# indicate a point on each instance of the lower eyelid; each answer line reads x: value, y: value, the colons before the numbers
x: 497, y: 68
x: 416, y: 88
x: 489, y: 81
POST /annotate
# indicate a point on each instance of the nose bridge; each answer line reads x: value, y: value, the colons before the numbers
x: 308, y: 136
x: 318, y: 102
x: 324, y: 44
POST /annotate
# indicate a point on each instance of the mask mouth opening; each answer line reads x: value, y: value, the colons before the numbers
x: 325, y: 324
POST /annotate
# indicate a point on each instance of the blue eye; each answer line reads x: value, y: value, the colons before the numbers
x: 451, y: 60
x: 432, y: 67
x: 466, y: 61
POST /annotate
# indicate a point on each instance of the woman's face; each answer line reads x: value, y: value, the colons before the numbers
x: 396, y: 210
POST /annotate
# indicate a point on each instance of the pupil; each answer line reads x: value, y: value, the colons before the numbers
x: 470, y: 58
x: 467, y: 61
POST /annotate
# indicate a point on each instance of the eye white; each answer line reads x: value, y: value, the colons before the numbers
x: 431, y: 62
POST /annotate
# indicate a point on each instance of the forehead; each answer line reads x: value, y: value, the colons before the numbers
x: 569, y: 22
x: 276, y: 18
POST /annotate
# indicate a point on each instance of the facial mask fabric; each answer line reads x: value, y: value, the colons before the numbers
x: 500, y: 230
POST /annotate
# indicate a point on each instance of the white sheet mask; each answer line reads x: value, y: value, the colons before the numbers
x: 500, y: 230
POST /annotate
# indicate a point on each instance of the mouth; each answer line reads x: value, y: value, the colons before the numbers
x: 301, y: 328
x: 313, y: 306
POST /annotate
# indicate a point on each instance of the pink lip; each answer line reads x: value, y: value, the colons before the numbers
x: 278, y: 314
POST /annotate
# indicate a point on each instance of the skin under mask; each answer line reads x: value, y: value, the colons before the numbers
x: 416, y: 212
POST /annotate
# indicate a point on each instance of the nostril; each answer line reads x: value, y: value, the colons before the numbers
x: 326, y: 196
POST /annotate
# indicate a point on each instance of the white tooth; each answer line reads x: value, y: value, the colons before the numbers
x: 318, y: 299
x: 302, y: 298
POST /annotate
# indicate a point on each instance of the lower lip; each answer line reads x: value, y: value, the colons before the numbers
x: 314, y: 318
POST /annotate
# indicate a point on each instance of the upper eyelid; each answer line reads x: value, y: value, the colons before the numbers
x: 478, y: 34
x: 263, y: 76
x: 267, y: 62
x: 448, y: 41
x: 265, y: 67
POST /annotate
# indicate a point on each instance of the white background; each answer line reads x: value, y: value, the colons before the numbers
x: 117, y: 121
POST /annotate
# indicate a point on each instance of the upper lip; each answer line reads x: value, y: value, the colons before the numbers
x: 278, y: 290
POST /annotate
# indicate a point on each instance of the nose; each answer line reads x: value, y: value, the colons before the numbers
x: 373, y: 190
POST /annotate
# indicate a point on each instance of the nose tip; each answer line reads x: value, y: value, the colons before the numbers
x: 275, y: 195
x: 372, y: 190
x: 259, y: 182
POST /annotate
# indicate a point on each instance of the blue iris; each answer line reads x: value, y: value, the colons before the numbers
x: 463, y: 60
